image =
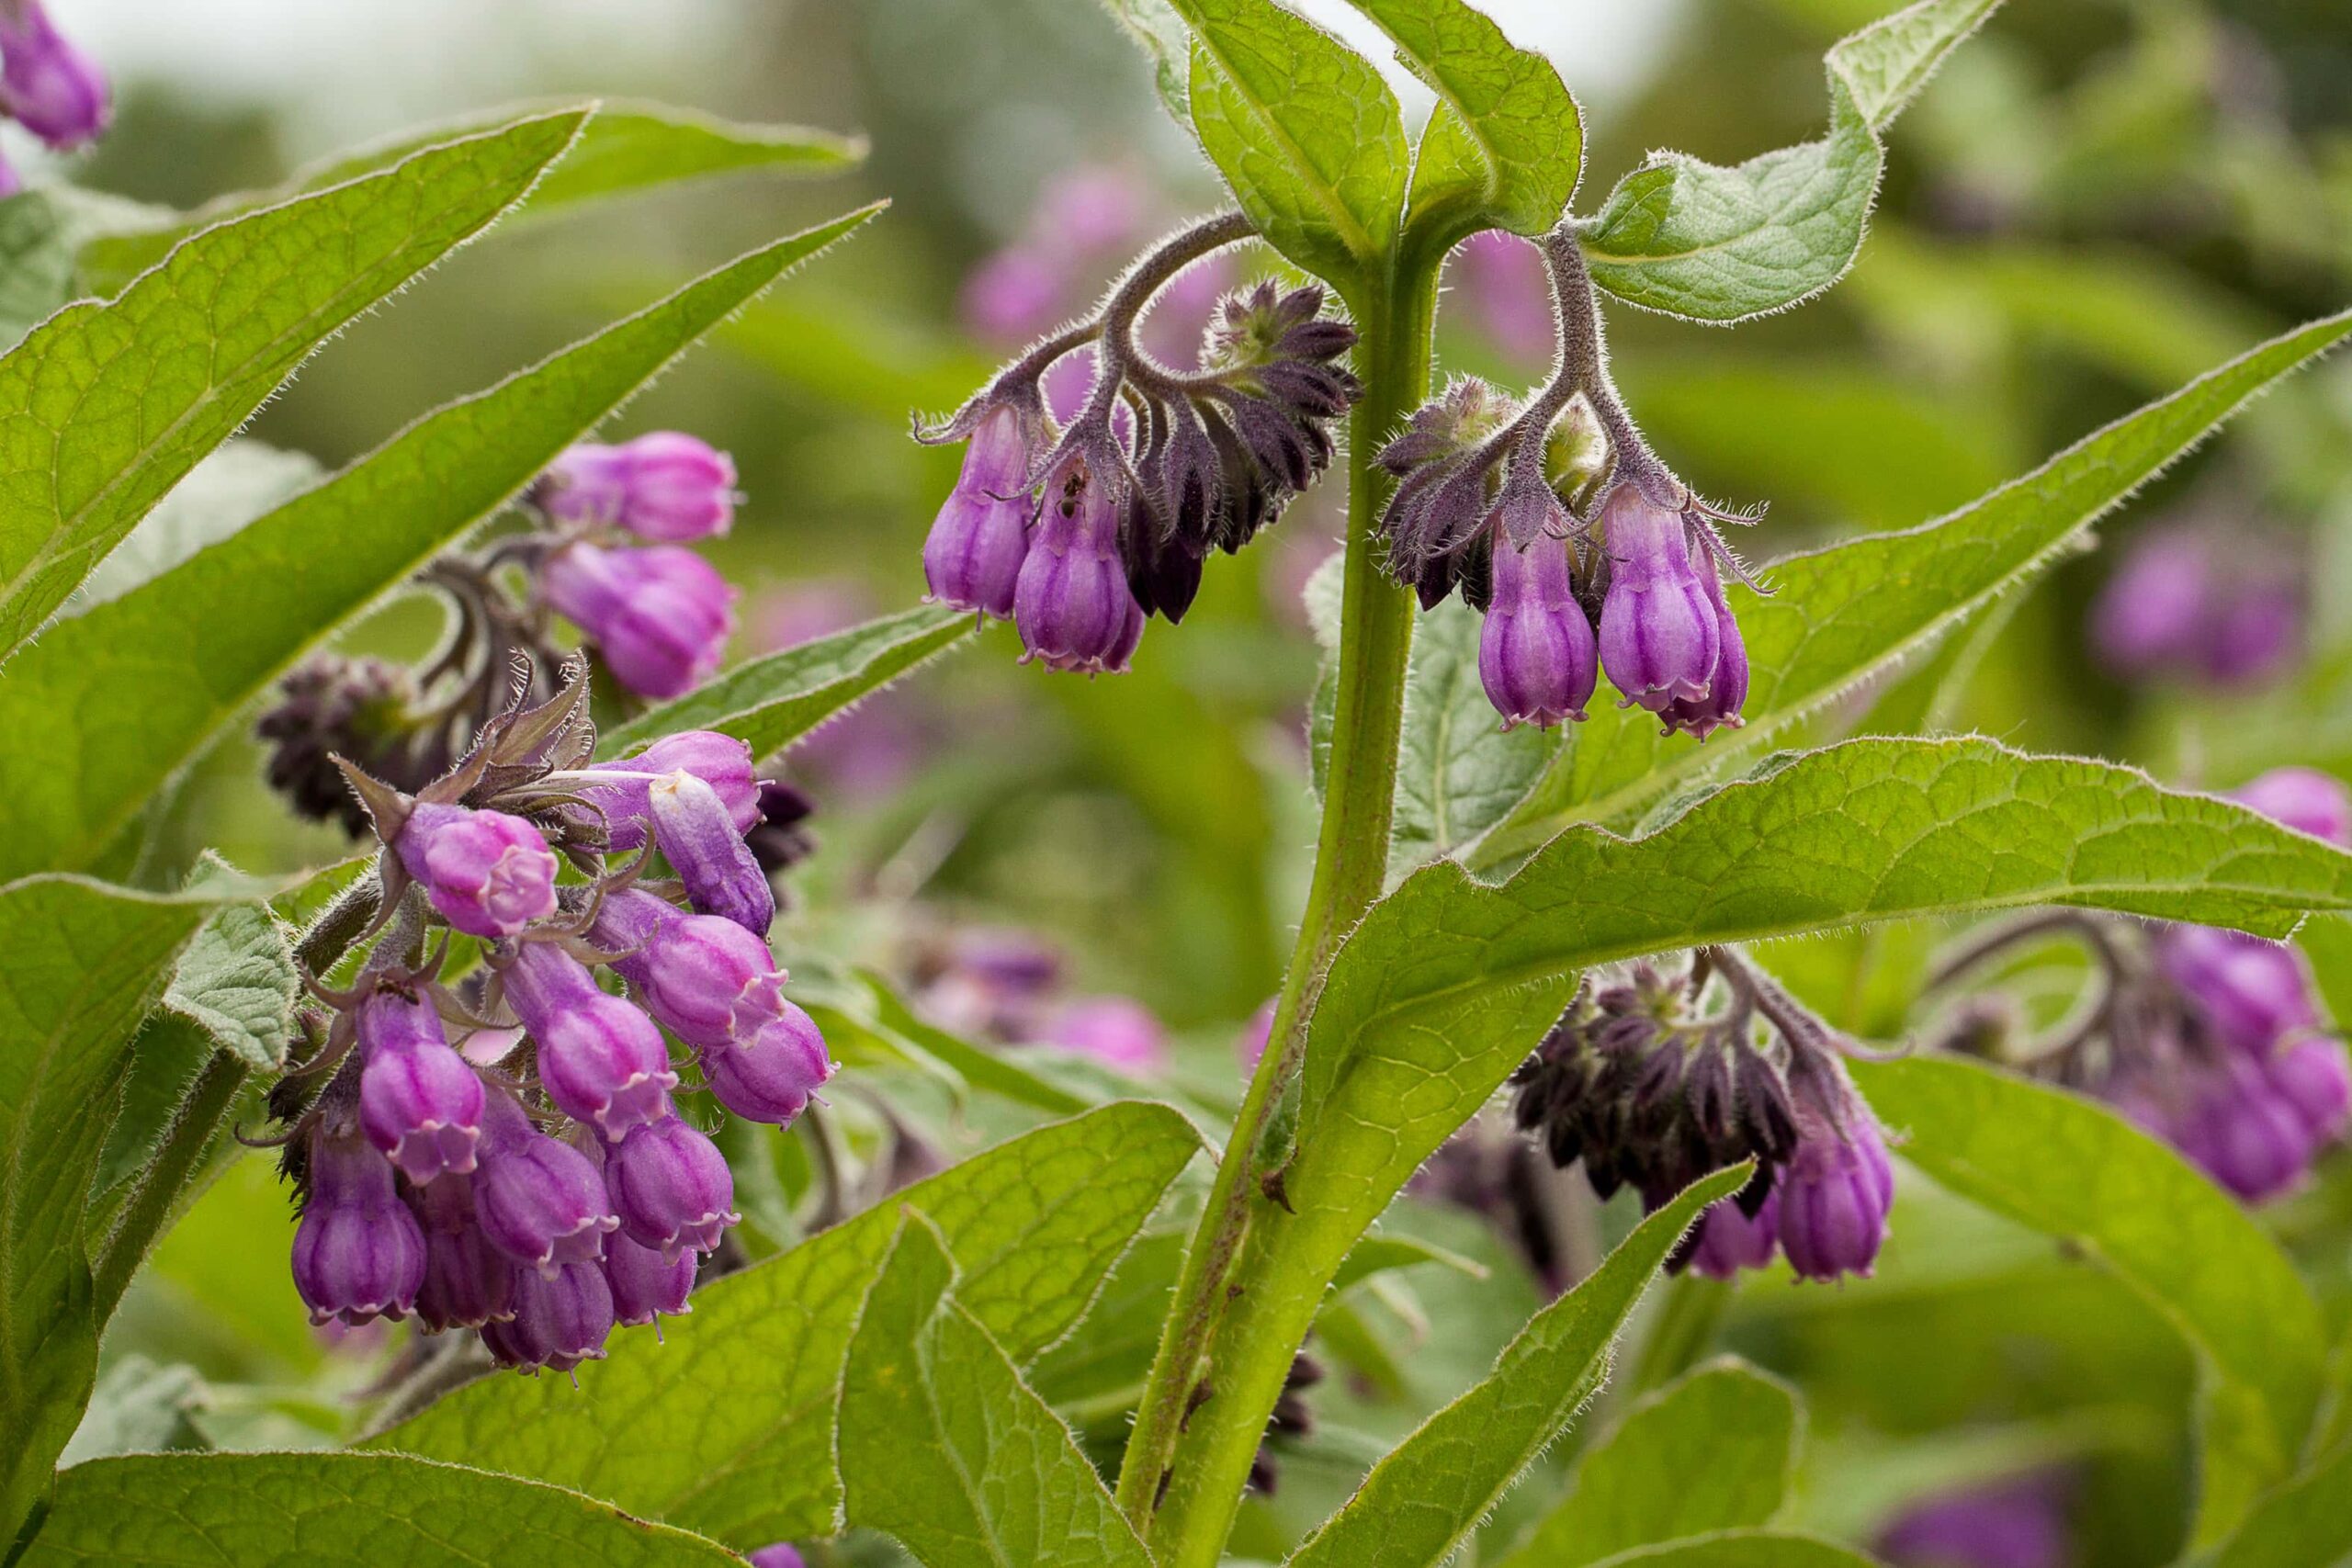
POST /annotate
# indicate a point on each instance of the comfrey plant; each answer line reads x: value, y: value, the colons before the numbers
x: 1660, y: 995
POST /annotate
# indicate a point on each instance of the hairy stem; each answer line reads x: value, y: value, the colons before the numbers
x: 1201, y: 1479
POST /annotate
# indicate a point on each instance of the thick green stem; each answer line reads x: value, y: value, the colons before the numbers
x: 1184, y: 1466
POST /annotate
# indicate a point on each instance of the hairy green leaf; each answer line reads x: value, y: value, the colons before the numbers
x: 139, y: 1407
x: 2074, y: 1170
x: 106, y: 405
x: 1506, y: 143
x: 774, y: 701
x: 942, y: 1444
x: 1713, y: 1451
x: 1422, y: 1502
x: 293, y: 1510
x: 1034, y: 1224
x: 112, y: 702
x: 80, y: 963
x: 1844, y: 614
x: 243, y: 480
x: 1716, y: 245
x: 1160, y: 32
x: 41, y: 232
x: 624, y: 147
x: 1742, y: 1549
x: 237, y: 983
x: 2307, y: 1523
x: 1304, y: 129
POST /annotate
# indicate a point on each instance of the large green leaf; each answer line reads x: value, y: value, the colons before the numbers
x: 2079, y: 1171
x: 80, y: 963
x: 1841, y: 614
x: 728, y: 1428
x: 626, y: 147
x: 237, y: 983
x: 1505, y: 145
x: 2305, y: 1524
x: 944, y: 1447
x: 1305, y: 130
x: 296, y: 1510
x: 110, y: 704
x: 1742, y: 1549
x: 774, y: 701
x: 1713, y: 1451
x: 106, y: 405
x: 1422, y: 1503
x: 1716, y: 245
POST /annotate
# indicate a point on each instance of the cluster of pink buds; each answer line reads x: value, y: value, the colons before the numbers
x: 511, y: 1152
x: 47, y: 86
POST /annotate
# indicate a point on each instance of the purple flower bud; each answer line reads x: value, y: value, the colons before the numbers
x: 2018, y: 1522
x: 1115, y: 1030
x: 705, y: 979
x: 668, y: 487
x: 779, y: 1555
x: 47, y: 86
x: 2242, y: 1133
x: 660, y: 616
x: 538, y: 1200
x: 1728, y: 1241
x: 1701, y: 716
x: 1536, y: 651
x: 671, y: 1188
x: 719, y: 760
x: 488, y: 873
x: 468, y: 1282
x: 601, y: 1059
x: 2251, y: 993
x: 561, y: 1318
x: 1072, y: 602
x: 1660, y: 638
x: 358, y: 1253
x: 644, y: 1286
x: 1837, y: 1189
x: 2305, y: 799
x: 2314, y: 1078
x: 972, y: 558
x: 698, y: 837
x: 770, y: 1077
x: 419, y: 1101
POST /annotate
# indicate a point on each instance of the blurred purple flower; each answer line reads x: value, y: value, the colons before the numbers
x: 1502, y: 278
x: 1095, y: 211
x: 2018, y: 1522
x: 47, y: 86
x: 2194, y: 601
x: 1015, y: 294
x: 1115, y: 1030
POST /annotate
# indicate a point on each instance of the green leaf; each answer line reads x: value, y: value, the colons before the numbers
x: 624, y: 147
x: 871, y: 1012
x: 1160, y: 32
x: 1423, y: 1501
x: 1304, y: 129
x: 1742, y: 1549
x: 774, y: 701
x: 243, y: 480
x: 1855, y: 610
x: 1711, y: 1452
x: 2076, y: 1171
x: 80, y: 963
x: 1716, y: 245
x: 728, y: 1428
x: 112, y: 702
x: 1458, y: 771
x: 944, y: 1446
x: 1506, y: 143
x: 236, y: 981
x: 139, y: 1407
x: 2305, y: 1524
x: 40, y: 233
x: 106, y: 405
x: 170, y: 1510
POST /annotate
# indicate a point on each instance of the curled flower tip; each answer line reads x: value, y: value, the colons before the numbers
x: 602, y: 1060
x: 47, y: 86
x: 973, y: 556
x: 1071, y: 605
x: 487, y: 872
x: 358, y: 1253
x: 420, y: 1103
x: 660, y: 616
x: 538, y: 1200
x: 1660, y: 636
x: 667, y: 487
x: 1537, y: 656
x: 697, y: 834
x: 671, y: 1186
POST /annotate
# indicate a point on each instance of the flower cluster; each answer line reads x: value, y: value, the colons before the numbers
x: 1650, y: 1092
x: 509, y: 1153
x: 2201, y: 602
x: 1077, y: 534
x: 1583, y: 554
x: 47, y: 86
x: 658, y: 615
x: 2211, y: 1040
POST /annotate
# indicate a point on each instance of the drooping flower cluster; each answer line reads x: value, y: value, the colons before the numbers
x: 1079, y: 535
x: 47, y: 86
x: 2201, y: 602
x: 511, y: 1154
x: 1583, y: 554
x: 658, y: 615
x: 2211, y: 1040
x: 1650, y: 1092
